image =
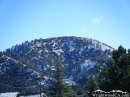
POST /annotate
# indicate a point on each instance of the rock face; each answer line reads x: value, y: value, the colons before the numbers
x: 22, y: 65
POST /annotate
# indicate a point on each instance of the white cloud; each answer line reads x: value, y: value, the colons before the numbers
x: 101, y: 17
x: 97, y: 20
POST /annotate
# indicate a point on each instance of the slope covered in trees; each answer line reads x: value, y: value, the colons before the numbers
x: 81, y: 59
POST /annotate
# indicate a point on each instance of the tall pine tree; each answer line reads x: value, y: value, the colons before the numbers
x: 59, y: 88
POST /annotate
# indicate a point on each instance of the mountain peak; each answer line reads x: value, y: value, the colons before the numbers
x: 81, y: 58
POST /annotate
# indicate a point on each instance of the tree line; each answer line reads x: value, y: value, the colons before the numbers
x: 115, y: 75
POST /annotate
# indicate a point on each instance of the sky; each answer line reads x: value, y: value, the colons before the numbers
x: 107, y: 21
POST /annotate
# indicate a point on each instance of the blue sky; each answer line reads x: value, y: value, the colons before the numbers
x: 107, y: 21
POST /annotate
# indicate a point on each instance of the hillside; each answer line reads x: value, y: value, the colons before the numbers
x: 81, y: 59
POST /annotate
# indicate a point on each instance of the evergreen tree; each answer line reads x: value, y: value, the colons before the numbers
x: 91, y: 86
x: 116, y: 75
x: 59, y: 88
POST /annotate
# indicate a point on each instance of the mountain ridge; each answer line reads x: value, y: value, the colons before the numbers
x: 81, y: 59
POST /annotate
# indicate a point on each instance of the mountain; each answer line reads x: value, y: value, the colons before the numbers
x: 22, y: 66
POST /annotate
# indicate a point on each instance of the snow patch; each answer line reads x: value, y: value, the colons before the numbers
x: 87, y: 65
x: 69, y: 82
x: 57, y: 51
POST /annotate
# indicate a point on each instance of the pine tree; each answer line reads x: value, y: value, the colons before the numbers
x: 116, y: 75
x: 59, y: 88
x: 91, y: 86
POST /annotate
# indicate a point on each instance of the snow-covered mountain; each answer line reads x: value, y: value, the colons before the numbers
x: 81, y: 59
